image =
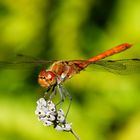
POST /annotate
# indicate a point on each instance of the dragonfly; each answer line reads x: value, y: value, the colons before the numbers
x: 62, y: 70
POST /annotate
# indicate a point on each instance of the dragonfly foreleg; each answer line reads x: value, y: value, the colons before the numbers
x: 51, y: 91
x: 46, y: 92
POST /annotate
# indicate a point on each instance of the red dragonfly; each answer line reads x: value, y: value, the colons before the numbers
x: 63, y: 70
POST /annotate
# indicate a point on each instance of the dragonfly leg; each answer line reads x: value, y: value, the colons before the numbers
x: 65, y: 93
x: 53, y: 92
x: 70, y: 100
x: 61, y: 95
x: 46, y: 92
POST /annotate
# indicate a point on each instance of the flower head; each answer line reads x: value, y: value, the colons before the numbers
x: 49, y: 115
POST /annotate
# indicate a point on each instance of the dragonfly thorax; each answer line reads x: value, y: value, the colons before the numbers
x: 47, y: 79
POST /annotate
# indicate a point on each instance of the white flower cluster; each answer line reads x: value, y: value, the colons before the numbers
x: 49, y: 115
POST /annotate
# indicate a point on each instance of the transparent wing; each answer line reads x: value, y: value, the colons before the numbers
x: 123, y: 67
x: 23, y: 62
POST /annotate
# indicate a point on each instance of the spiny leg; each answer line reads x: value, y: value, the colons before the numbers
x: 62, y: 96
x: 52, y: 91
x: 46, y: 92
x: 64, y: 93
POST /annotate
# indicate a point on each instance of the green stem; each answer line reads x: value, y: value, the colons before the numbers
x: 75, y: 135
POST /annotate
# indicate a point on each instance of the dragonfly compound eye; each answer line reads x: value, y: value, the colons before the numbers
x: 46, y: 78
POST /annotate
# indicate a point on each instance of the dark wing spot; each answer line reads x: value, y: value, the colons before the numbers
x: 110, y: 60
x: 136, y: 59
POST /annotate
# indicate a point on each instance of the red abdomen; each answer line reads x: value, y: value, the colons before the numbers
x: 110, y: 52
x: 105, y: 54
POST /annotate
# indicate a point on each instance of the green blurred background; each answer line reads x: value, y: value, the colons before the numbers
x: 105, y: 106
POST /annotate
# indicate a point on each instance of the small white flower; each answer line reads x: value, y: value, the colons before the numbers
x: 41, y: 102
x: 49, y: 102
x: 64, y: 127
x: 59, y: 128
x: 43, y: 108
x: 67, y: 127
x: 40, y: 113
x: 52, y: 110
x: 60, y: 116
x: 50, y: 117
x: 60, y: 119
x: 60, y: 112
x: 48, y: 123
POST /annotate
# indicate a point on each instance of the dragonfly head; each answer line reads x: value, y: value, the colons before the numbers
x: 46, y: 78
